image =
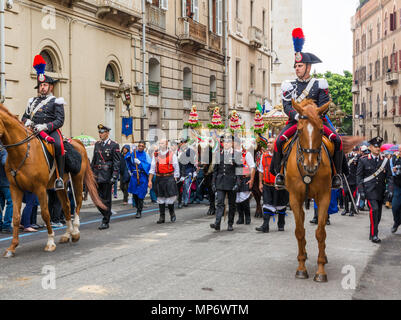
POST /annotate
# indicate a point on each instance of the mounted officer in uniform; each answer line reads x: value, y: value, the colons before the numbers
x: 304, y: 87
x: 46, y: 113
x: 106, y: 167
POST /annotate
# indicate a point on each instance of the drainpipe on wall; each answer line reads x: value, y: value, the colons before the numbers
x: 2, y: 55
x: 143, y: 68
x: 226, y: 60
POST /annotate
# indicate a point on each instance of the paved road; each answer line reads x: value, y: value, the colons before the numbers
x: 138, y: 259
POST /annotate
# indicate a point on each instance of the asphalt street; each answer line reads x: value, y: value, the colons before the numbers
x: 139, y: 259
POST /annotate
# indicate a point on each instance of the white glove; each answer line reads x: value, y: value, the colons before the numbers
x: 195, y: 174
x: 41, y: 127
x: 190, y: 174
x: 133, y: 147
x: 296, y: 117
x: 28, y: 123
x: 137, y: 161
x: 182, y: 179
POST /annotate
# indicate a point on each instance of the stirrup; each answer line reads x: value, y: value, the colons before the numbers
x: 280, y: 186
x: 57, y: 185
x: 334, y: 186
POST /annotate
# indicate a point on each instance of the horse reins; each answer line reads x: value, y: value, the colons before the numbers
x: 26, y: 140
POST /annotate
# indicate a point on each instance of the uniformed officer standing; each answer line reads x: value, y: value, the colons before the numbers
x: 106, y: 166
x: 352, y: 159
x: 226, y: 181
x: 395, y: 164
x: 373, y: 175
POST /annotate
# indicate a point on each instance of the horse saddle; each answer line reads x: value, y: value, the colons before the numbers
x: 49, y: 151
x: 329, y: 145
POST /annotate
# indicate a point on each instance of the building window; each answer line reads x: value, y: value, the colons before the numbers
x: 252, y: 76
x: 49, y: 61
x: 237, y: 76
x: 357, y: 46
x: 213, y: 88
x: 109, y: 76
x: 364, y: 42
x: 378, y: 31
x: 154, y: 77
x: 378, y: 107
x: 251, y: 13
x: 187, y: 84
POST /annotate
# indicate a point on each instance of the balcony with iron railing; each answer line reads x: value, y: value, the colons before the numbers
x: 191, y: 34
x: 391, y: 78
x: 187, y: 93
x: 125, y: 12
x: 154, y: 88
x: 255, y: 37
x: 355, y: 87
x: 156, y: 18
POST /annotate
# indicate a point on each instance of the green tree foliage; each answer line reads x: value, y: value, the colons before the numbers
x: 340, y: 90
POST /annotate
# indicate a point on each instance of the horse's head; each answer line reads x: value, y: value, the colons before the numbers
x: 310, y: 132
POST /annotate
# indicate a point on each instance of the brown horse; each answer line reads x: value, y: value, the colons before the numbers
x: 27, y: 170
x: 308, y: 176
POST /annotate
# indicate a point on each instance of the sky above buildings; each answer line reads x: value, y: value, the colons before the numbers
x: 327, y: 29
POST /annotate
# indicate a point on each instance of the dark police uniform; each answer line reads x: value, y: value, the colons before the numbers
x: 352, y: 162
x: 226, y: 182
x: 206, y: 160
x: 396, y: 190
x: 373, y: 190
x: 106, y: 166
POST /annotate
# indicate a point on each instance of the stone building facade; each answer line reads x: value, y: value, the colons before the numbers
x: 376, y: 28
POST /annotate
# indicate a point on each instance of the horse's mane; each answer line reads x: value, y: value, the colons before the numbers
x: 13, y: 116
x: 310, y: 110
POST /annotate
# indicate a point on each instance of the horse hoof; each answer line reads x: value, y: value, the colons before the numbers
x: 302, y: 275
x: 64, y: 239
x: 50, y: 248
x: 320, y: 278
x: 75, y: 237
x: 9, y: 254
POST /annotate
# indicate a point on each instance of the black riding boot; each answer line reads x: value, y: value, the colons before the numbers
x: 246, y: 209
x: 212, y: 209
x: 139, y: 208
x: 240, y: 209
x: 59, y: 183
x: 276, y: 170
x: 265, y: 226
x: 281, y: 220
x: 336, y: 182
x: 172, y: 214
x: 346, y: 206
x: 314, y: 220
x: 162, y: 209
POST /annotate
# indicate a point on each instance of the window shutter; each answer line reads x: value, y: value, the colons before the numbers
x: 184, y: 8
x: 395, y: 61
x: 219, y: 17
x: 391, y: 22
x: 211, y: 15
x: 164, y: 4
x: 195, y: 10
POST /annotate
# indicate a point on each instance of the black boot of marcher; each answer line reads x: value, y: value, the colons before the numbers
x: 172, y: 214
x: 162, y: 209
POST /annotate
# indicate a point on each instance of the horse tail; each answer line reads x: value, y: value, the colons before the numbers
x: 91, y: 186
x: 349, y: 142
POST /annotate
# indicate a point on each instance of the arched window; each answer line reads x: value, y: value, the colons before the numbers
x: 378, y: 107
x: 50, y: 66
x: 110, y: 74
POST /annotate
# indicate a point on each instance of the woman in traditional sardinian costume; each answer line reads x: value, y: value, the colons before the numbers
x: 166, y: 168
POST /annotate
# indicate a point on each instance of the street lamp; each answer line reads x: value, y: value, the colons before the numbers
x: 276, y: 61
x: 124, y: 92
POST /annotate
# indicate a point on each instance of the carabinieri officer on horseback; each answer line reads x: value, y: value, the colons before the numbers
x: 304, y: 87
x: 46, y: 113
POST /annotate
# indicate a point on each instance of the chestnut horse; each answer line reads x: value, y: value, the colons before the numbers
x: 27, y: 170
x: 309, y: 174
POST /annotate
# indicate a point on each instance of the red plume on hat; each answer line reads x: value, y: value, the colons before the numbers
x: 39, y: 64
x: 298, y: 38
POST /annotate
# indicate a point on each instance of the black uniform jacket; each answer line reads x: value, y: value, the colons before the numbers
x: 106, y: 161
x: 51, y: 113
x: 226, y: 174
x: 375, y: 188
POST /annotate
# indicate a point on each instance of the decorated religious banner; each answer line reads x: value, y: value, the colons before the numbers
x: 127, y: 126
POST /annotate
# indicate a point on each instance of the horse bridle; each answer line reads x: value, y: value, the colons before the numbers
x: 26, y: 140
x: 307, y: 179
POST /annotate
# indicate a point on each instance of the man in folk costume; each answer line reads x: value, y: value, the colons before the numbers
x: 166, y: 168
x: 304, y: 87
x: 226, y: 181
x: 45, y: 113
x: 374, y: 180
x: 106, y: 167
x: 274, y: 201
x: 247, y: 177
x: 138, y: 162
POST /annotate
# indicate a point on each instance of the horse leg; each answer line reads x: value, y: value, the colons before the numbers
x: 44, y: 209
x: 78, y: 189
x: 65, y: 203
x: 299, y: 216
x: 323, y: 205
x: 16, y: 195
